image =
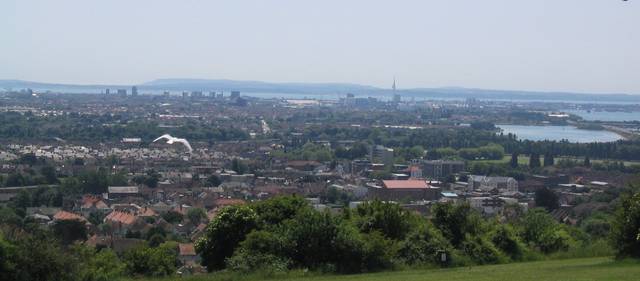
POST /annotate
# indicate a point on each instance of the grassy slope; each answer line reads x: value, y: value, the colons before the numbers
x: 587, y: 269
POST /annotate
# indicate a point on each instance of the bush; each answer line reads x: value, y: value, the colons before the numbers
x: 540, y: 231
x: 625, y: 231
x: 160, y: 261
x: 423, y: 246
x: 507, y: 241
x: 388, y: 218
x: 481, y: 251
x: 223, y: 234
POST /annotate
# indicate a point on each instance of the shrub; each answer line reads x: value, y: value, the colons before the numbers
x: 481, y: 251
x: 625, y: 232
x: 224, y: 234
x: 423, y: 246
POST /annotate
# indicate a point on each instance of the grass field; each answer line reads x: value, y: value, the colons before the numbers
x: 587, y: 269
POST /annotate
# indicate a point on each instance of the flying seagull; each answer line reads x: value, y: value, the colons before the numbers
x: 172, y: 140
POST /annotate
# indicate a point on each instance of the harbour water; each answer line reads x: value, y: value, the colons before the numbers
x: 558, y: 133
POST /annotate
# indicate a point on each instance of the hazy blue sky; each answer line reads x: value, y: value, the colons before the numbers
x: 565, y: 45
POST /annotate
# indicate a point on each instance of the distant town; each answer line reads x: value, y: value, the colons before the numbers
x: 137, y: 168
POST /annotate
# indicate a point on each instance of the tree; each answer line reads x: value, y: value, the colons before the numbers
x: 39, y: 257
x: 534, y: 160
x: 104, y: 266
x: 455, y: 221
x: 548, y: 159
x: 278, y: 209
x: 587, y: 162
x: 514, y: 160
x: 196, y: 215
x: 7, y: 250
x: 159, y: 261
x: 223, y: 234
x: 15, y: 179
x: 96, y: 217
x: 49, y: 174
x: 625, y: 231
x: 68, y: 231
x: 389, y: 219
x: 214, y: 180
x: 173, y: 217
x: 540, y: 230
x: 547, y: 199
x: 238, y: 166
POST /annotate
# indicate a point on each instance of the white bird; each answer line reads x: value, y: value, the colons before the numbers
x: 172, y: 140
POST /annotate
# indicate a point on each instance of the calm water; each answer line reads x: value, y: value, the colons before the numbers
x: 558, y: 133
x: 607, y: 115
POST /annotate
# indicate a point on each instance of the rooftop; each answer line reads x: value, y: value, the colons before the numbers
x: 400, y: 184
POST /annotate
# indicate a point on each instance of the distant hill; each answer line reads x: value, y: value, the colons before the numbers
x: 311, y: 89
x: 255, y: 86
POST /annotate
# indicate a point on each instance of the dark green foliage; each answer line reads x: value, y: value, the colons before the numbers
x: 587, y: 162
x: 49, y: 174
x: 506, y: 240
x: 214, y: 180
x: 173, y: 217
x: 224, y: 234
x: 37, y: 257
x: 548, y: 159
x: 625, y: 231
x: 159, y: 261
x: 423, y: 245
x: 546, y: 198
x: 69, y: 231
x: 388, y: 218
x: 196, y: 215
x: 279, y: 209
x: 311, y: 234
x: 455, y: 221
x: 358, y: 150
x: 539, y: 230
x: 96, y: 217
x: 514, y: 160
x: 334, y: 195
x: 480, y: 250
x: 534, y: 160
x: 239, y: 166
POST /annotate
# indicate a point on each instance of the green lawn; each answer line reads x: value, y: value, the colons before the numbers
x: 586, y: 269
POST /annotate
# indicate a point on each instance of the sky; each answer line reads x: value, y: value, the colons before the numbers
x: 590, y: 46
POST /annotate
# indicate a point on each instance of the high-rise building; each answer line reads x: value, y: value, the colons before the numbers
x: 106, y: 92
x: 235, y: 94
x: 381, y: 154
x: 212, y: 94
x: 185, y: 94
x: 438, y: 169
x: 196, y: 94
x: 134, y: 91
x: 122, y: 92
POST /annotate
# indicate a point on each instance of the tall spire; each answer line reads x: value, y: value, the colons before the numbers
x: 394, y: 84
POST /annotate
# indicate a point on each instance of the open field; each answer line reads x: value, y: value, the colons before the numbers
x: 587, y: 269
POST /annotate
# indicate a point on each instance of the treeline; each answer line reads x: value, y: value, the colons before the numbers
x: 462, y: 138
x: 286, y: 233
x: 489, y: 152
x: 31, y: 252
x: 76, y: 127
